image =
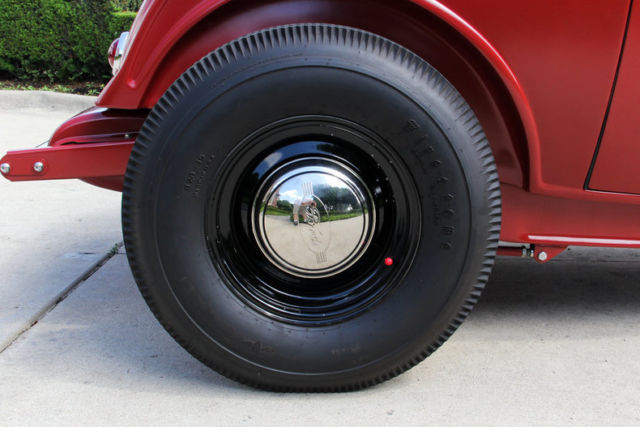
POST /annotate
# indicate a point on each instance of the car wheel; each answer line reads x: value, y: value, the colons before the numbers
x: 311, y: 208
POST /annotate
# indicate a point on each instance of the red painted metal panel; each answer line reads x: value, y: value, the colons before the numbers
x: 554, y: 221
x: 564, y: 55
x: 99, y: 125
x: 616, y: 167
x: 107, y: 159
x: 136, y: 84
x: 557, y: 60
x: 403, y: 22
x: 93, y: 146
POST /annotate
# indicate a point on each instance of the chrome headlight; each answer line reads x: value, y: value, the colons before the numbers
x: 116, y: 52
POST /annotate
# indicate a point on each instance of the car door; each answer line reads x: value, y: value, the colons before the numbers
x: 617, y: 158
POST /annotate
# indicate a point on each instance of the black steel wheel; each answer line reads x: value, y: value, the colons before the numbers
x: 311, y: 208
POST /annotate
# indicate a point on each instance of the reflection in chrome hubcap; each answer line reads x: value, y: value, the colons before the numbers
x: 313, y: 218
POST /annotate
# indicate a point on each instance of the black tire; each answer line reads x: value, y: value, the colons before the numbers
x: 311, y: 93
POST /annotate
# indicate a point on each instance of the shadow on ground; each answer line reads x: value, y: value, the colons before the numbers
x: 105, y: 333
x: 563, y: 285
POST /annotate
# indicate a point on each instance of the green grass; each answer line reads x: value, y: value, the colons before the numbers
x: 324, y: 217
x: 277, y: 212
x: 338, y: 217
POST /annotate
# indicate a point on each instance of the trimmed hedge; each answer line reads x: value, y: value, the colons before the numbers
x: 133, y: 5
x: 58, y: 40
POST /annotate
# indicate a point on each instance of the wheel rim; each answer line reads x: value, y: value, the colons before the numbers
x: 356, y: 208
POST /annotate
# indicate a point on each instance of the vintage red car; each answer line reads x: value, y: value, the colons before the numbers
x: 314, y: 191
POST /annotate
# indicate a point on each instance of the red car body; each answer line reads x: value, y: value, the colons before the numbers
x: 553, y: 83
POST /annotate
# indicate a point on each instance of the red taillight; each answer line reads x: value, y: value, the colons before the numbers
x: 112, y: 51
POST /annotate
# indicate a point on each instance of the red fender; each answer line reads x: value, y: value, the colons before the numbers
x: 168, y: 37
x: 163, y: 47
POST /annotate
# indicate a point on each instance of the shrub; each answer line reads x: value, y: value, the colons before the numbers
x: 58, y: 40
x: 127, y: 5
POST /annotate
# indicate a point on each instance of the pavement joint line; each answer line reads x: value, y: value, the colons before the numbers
x: 61, y: 296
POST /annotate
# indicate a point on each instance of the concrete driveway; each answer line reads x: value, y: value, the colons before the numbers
x: 555, y: 344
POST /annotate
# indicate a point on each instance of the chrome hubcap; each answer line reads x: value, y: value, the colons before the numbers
x: 313, y: 218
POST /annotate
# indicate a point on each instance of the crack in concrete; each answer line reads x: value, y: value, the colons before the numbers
x: 61, y: 296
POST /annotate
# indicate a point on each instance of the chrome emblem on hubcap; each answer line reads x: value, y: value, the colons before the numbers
x: 315, y: 234
x: 313, y: 221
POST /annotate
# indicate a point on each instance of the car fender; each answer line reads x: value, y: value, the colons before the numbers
x: 169, y: 38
